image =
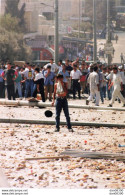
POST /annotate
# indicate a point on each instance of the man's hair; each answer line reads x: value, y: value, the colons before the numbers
x: 95, y: 68
x: 115, y: 68
x: 75, y: 65
x: 37, y: 69
x: 59, y: 76
x: 51, y: 59
x: 49, y: 67
x: 60, y: 61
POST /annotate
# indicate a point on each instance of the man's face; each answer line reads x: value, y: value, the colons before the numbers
x: 8, y: 66
x: 114, y: 71
x: 63, y: 67
x: 74, y: 67
x: 29, y: 67
x: 51, y: 61
x: 66, y: 62
x: 48, y: 69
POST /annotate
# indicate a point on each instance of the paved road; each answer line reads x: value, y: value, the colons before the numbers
x: 119, y: 47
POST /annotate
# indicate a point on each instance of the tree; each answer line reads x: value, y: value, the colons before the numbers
x: 9, y: 23
x: 12, y: 9
x: 12, y: 45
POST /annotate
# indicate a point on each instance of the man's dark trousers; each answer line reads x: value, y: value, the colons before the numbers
x: 10, y: 91
x: 61, y: 103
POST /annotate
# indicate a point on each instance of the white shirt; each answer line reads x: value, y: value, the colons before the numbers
x: 117, y: 80
x: 76, y: 74
x: 54, y: 67
x: 29, y: 74
x: 123, y: 77
x: 59, y: 68
x: 110, y: 76
x: 93, y: 80
x: 39, y: 76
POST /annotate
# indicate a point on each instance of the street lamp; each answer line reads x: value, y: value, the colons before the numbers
x: 56, y: 40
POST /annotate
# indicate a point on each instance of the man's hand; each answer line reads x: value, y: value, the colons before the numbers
x: 53, y: 103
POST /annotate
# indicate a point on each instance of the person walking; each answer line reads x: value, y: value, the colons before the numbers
x: 60, y: 92
x: 93, y: 81
x: 118, y: 87
x: 9, y: 75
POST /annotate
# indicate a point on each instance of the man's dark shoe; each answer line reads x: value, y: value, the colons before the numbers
x: 110, y: 105
x: 71, y: 130
x: 87, y: 102
x: 57, y: 130
x: 123, y: 105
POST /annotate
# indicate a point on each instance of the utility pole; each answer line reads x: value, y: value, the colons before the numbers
x: 94, y: 32
x: 108, y: 29
x: 108, y: 46
x: 79, y: 17
x: 56, y: 56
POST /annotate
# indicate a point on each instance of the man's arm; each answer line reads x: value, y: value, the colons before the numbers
x: 3, y: 76
x: 15, y: 76
x: 54, y: 94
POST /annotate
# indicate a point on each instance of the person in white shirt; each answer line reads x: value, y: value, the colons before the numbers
x: 93, y: 81
x: 60, y: 66
x: 54, y: 67
x: 29, y: 83
x: 39, y: 81
x: 122, y: 73
x: 118, y: 87
x: 75, y: 77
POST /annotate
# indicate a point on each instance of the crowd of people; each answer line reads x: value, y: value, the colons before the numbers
x: 99, y: 81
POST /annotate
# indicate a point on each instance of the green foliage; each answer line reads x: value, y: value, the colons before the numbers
x: 9, y: 23
x: 13, y: 10
x: 12, y: 45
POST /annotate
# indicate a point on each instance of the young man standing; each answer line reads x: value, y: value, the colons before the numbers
x: 49, y: 81
x: 60, y: 90
x: 29, y: 83
x: 9, y: 76
x: 18, y: 86
x: 2, y: 88
x: 54, y: 67
x: 75, y: 77
x: 39, y: 81
x: 118, y: 87
x: 93, y: 81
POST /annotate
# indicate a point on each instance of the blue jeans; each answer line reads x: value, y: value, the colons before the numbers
x: 19, y: 88
x: 29, y: 84
x: 61, y: 103
x: 109, y: 92
x: 103, y: 93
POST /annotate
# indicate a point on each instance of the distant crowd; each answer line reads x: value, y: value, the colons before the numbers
x: 99, y: 81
